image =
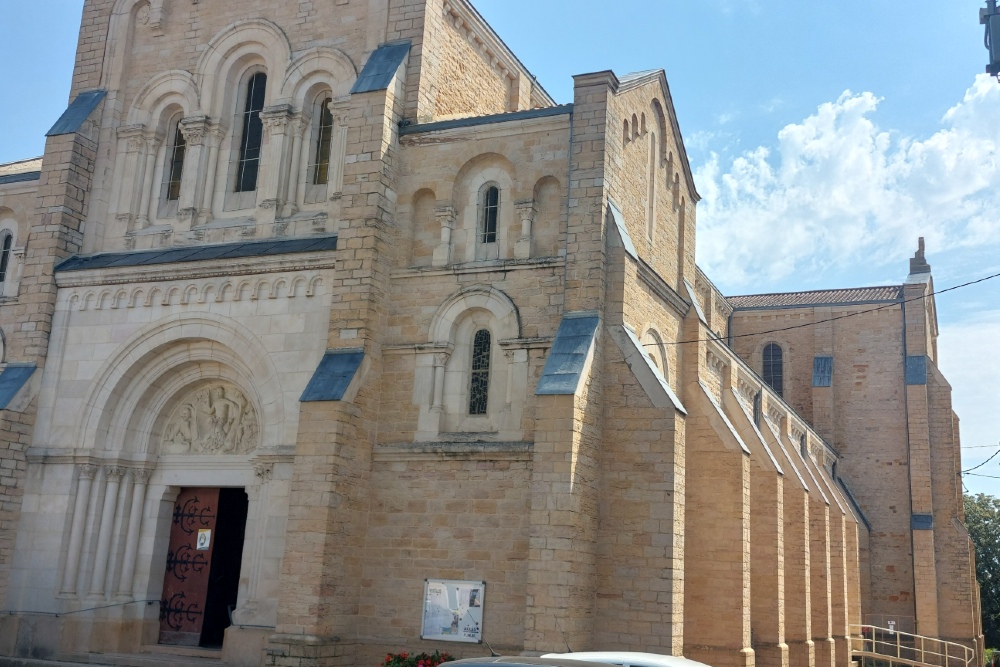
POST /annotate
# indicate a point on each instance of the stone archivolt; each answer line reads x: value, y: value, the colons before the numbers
x: 214, y: 419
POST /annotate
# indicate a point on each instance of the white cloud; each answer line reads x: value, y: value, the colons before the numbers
x: 837, y: 190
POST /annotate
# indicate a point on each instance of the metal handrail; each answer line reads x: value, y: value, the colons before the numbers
x: 907, y: 648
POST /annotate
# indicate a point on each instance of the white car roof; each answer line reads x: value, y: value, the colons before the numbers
x: 634, y: 659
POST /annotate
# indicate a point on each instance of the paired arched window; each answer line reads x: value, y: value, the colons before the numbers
x: 175, y: 164
x: 252, y: 136
x: 5, y: 249
x: 479, y: 381
x: 773, y: 368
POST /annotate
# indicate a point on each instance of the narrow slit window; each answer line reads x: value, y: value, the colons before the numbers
x: 176, y: 167
x: 253, y: 134
x: 324, y: 136
x: 479, y: 388
x: 773, y: 371
x: 8, y: 241
x: 491, y: 212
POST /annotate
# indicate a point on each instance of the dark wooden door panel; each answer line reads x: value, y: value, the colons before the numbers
x: 185, y: 583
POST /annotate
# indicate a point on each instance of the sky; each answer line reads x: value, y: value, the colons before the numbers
x: 825, y: 138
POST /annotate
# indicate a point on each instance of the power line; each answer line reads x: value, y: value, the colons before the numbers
x: 979, y: 447
x: 838, y: 317
x: 976, y: 474
x: 983, y: 463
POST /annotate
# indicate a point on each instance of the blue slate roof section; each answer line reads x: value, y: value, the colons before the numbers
x: 616, y: 215
x: 568, y: 355
x: 12, y: 379
x: 380, y: 68
x: 197, y: 253
x: 333, y: 376
x: 77, y: 112
x: 561, y: 110
x: 916, y: 370
x: 20, y: 178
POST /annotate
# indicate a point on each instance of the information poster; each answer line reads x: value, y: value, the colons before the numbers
x: 453, y: 610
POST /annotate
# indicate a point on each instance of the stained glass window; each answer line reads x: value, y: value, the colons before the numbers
x: 773, y: 372
x: 321, y: 168
x: 491, y: 211
x: 176, y: 166
x: 479, y: 388
x: 253, y: 134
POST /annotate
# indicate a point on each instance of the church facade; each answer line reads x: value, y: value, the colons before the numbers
x: 309, y: 308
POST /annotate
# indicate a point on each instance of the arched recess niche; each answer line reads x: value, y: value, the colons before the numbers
x: 138, y: 388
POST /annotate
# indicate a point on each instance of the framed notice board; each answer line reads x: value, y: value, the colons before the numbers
x: 453, y: 610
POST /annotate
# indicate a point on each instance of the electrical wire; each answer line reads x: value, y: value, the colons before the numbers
x: 976, y: 474
x: 983, y: 463
x: 894, y: 304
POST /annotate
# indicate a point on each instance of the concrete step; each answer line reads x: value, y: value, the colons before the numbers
x: 156, y: 657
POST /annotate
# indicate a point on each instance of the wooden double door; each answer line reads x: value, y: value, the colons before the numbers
x: 202, y: 577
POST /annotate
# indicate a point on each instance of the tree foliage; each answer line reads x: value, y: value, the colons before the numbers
x: 982, y: 518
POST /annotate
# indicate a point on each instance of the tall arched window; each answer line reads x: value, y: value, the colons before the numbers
x: 253, y: 134
x: 175, y: 164
x: 490, y: 214
x: 773, y: 371
x: 5, y: 248
x: 320, y: 167
x: 479, y: 384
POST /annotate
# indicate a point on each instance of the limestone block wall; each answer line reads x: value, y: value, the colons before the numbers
x: 461, y: 514
x: 442, y: 175
x: 862, y: 415
x: 649, y: 178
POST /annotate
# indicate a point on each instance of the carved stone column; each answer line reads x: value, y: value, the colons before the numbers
x: 147, y: 201
x: 132, y: 174
x: 214, y: 141
x: 86, y: 476
x: 526, y: 212
x: 440, y: 362
x: 114, y: 476
x: 272, y: 184
x: 296, y: 127
x: 446, y: 218
x: 140, y: 478
x: 338, y: 151
x: 264, y: 472
x: 194, y: 129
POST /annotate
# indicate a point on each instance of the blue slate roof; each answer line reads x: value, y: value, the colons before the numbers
x: 380, y: 68
x: 78, y: 111
x: 564, y: 365
x: 619, y: 219
x: 472, y: 121
x: 20, y: 178
x: 197, y: 253
x: 333, y: 376
x: 12, y: 379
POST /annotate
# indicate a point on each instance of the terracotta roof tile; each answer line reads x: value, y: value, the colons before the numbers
x: 817, y: 297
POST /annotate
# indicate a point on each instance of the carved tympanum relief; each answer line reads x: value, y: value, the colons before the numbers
x: 214, y: 419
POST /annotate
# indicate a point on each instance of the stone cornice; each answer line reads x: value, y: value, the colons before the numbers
x: 194, y: 270
x: 488, y: 266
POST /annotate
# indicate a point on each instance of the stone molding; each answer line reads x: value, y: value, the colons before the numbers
x: 185, y: 271
x: 298, y: 286
x: 454, y: 451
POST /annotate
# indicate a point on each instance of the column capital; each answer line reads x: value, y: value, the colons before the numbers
x: 263, y: 471
x: 526, y: 209
x: 114, y: 472
x: 195, y: 129
x: 87, y: 471
x: 445, y: 215
x: 276, y: 118
x: 141, y: 475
